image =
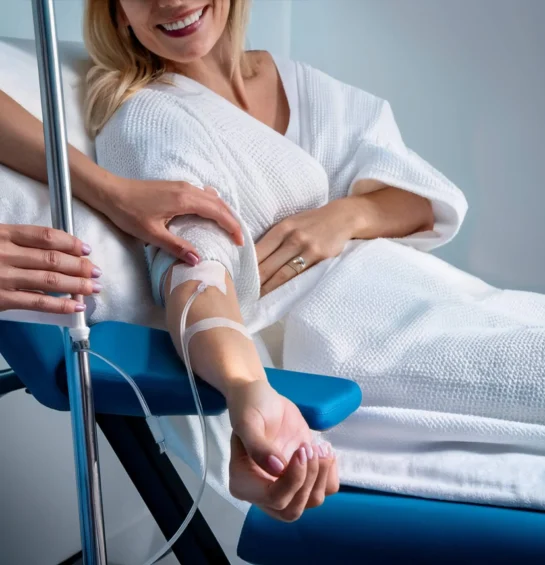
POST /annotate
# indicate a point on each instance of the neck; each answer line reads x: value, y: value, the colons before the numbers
x: 219, y: 72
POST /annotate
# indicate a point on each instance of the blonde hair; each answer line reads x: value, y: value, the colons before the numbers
x: 123, y: 66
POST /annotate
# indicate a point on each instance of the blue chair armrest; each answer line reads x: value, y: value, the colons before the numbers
x: 36, y: 354
x: 323, y: 401
x: 150, y: 358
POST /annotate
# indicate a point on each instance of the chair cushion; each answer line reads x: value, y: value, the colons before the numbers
x: 368, y: 528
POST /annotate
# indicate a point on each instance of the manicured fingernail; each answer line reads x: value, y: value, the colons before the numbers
x: 302, y: 455
x: 97, y: 287
x: 322, y: 451
x: 275, y: 464
x: 86, y: 249
x: 80, y: 307
x: 192, y: 259
x: 309, y: 450
x: 330, y: 451
x: 96, y: 273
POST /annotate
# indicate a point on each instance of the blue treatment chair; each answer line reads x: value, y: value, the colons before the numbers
x: 353, y: 526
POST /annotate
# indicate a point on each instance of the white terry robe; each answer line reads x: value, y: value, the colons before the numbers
x: 432, y: 348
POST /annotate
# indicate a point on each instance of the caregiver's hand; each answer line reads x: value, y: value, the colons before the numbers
x: 144, y: 208
x: 140, y: 208
x: 314, y: 235
x: 34, y: 258
x: 273, y: 462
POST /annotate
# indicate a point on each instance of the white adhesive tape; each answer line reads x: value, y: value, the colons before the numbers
x: 211, y: 273
x: 210, y: 324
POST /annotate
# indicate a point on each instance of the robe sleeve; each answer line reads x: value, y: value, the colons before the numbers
x: 382, y: 155
x: 148, y: 140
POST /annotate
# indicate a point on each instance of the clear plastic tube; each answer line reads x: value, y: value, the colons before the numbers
x: 185, y: 353
x: 128, y: 378
x: 155, y: 428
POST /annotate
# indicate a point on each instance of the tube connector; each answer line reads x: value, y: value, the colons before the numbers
x: 157, y: 432
x: 80, y: 334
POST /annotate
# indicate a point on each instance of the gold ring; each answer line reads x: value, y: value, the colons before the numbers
x: 298, y: 264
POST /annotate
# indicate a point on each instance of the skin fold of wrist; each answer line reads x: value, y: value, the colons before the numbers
x: 100, y: 189
x: 235, y: 387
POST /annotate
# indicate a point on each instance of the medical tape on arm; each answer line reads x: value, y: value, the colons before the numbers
x: 212, y: 323
x: 208, y: 273
x: 211, y: 273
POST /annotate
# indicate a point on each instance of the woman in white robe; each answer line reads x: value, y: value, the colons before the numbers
x: 317, y: 172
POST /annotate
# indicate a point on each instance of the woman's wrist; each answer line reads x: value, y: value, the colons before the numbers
x: 94, y: 185
x: 387, y: 212
x: 242, y: 379
x: 238, y: 388
x: 233, y: 370
x: 105, y: 192
x: 351, y: 216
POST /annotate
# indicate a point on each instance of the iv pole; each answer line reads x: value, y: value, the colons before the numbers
x: 77, y: 362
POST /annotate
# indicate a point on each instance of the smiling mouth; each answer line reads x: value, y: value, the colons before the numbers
x: 184, y: 26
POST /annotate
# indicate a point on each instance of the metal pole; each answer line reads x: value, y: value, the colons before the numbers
x: 77, y: 362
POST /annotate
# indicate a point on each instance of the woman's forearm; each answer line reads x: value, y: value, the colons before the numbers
x: 22, y: 148
x: 385, y: 212
x: 223, y: 357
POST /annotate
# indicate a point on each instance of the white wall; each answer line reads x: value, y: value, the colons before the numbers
x: 270, y: 26
x: 466, y: 81
x: 39, y: 518
x: 16, y: 19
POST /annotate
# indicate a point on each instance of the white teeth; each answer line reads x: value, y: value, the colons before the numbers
x: 185, y: 22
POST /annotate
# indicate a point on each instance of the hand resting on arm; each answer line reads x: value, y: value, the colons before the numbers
x: 374, y: 210
x: 273, y: 463
x: 140, y: 208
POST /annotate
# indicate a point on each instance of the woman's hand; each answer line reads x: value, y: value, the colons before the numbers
x: 314, y: 235
x: 374, y: 210
x: 273, y: 462
x: 34, y: 258
x: 144, y: 208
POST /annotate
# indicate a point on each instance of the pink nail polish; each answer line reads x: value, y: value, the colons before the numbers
x: 309, y: 450
x: 86, y: 249
x: 302, y: 455
x: 80, y: 307
x: 322, y: 451
x: 96, y: 273
x: 192, y: 259
x: 275, y: 464
x: 97, y: 287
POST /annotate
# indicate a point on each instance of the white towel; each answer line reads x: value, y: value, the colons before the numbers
x: 452, y: 373
x: 127, y: 295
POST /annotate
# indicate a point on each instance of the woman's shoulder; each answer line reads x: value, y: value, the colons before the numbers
x: 149, y: 113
